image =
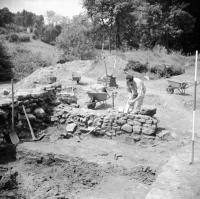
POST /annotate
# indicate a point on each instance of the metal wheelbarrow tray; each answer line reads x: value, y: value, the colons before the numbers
x: 76, y: 77
x: 174, y: 85
x: 96, y: 97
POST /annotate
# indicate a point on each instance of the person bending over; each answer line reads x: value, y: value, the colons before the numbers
x: 136, y: 93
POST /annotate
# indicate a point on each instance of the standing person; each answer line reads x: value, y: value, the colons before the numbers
x: 136, y: 90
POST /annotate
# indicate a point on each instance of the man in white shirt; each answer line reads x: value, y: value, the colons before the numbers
x: 137, y: 90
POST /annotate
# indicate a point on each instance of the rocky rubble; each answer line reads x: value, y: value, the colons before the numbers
x: 110, y: 124
x: 38, y: 103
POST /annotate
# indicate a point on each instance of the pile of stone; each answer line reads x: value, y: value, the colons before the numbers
x: 38, y: 103
x: 139, y: 124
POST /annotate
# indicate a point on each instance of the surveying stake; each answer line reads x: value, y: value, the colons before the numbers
x: 194, y: 108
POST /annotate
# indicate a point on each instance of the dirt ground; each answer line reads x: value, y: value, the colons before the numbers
x: 55, y: 168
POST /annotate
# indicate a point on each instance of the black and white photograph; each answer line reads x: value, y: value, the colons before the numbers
x: 99, y: 99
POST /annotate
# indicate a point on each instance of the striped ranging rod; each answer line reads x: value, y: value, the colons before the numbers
x: 194, y: 108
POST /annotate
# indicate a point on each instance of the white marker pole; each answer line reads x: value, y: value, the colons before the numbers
x: 194, y: 108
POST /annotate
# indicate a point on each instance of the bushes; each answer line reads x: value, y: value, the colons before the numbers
x: 75, y: 39
x: 26, y: 62
x: 19, y: 38
x: 24, y: 38
x: 163, y: 70
x: 13, y: 38
x: 5, y: 64
x: 136, y: 66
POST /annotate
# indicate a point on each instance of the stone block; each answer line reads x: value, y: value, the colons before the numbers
x: 137, y: 129
x: 148, y: 110
x: 71, y: 128
x: 148, y: 131
x: 90, y: 122
x: 31, y: 116
x: 131, y: 116
x: 39, y: 112
x: 121, y: 122
x: 116, y: 128
x: 127, y: 128
x: 137, y: 123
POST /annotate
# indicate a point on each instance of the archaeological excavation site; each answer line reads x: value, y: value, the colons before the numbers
x: 99, y: 99
x: 64, y: 136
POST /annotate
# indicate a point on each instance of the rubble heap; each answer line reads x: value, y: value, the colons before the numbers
x: 38, y: 103
x: 139, y: 124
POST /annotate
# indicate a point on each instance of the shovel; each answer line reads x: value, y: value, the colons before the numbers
x: 13, y: 136
x: 30, y: 127
x: 87, y: 133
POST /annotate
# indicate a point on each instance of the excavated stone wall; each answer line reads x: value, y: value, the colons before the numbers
x: 45, y: 107
x: 38, y: 103
x: 112, y: 123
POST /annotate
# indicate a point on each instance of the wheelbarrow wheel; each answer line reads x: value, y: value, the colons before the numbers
x: 170, y: 90
x: 78, y: 80
x: 91, y: 105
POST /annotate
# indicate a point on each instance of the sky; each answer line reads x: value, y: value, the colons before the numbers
x: 67, y: 8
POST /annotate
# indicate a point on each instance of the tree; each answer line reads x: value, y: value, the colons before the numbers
x: 165, y: 23
x: 75, y: 39
x: 49, y: 34
x: 6, y: 16
x: 141, y: 22
x: 50, y: 15
x: 114, y: 17
x: 53, y: 18
x: 5, y: 64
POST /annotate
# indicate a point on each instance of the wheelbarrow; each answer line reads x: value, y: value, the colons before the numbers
x: 96, y: 97
x: 180, y: 86
x: 76, y: 77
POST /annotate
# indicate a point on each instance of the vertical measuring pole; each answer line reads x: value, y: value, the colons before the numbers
x: 113, y: 100
x: 194, y: 107
x: 104, y: 62
x: 13, y: 110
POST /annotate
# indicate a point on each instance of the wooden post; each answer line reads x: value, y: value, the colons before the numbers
x: 194, y: 108
x: 113, y: 100
x: 104, y: 61
x: 13, y: 110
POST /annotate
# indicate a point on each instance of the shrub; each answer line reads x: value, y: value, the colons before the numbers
x: 3, y: 30
x: 24, y: 38
x: 34, y: 37
x: 159, y: 69
x: 26, y: 62
x: 49, y: 34
x: 163, y: 70
x: 13, y: 38
x: 5, y: 64
x: 136, y: 66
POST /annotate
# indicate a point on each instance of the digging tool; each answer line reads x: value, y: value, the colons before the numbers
x: 88, y: 133
x: 13, y: 136
x: 30, y: 127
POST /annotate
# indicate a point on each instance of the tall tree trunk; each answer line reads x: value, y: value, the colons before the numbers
x: 110, y: 41
x: 118, y: 40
